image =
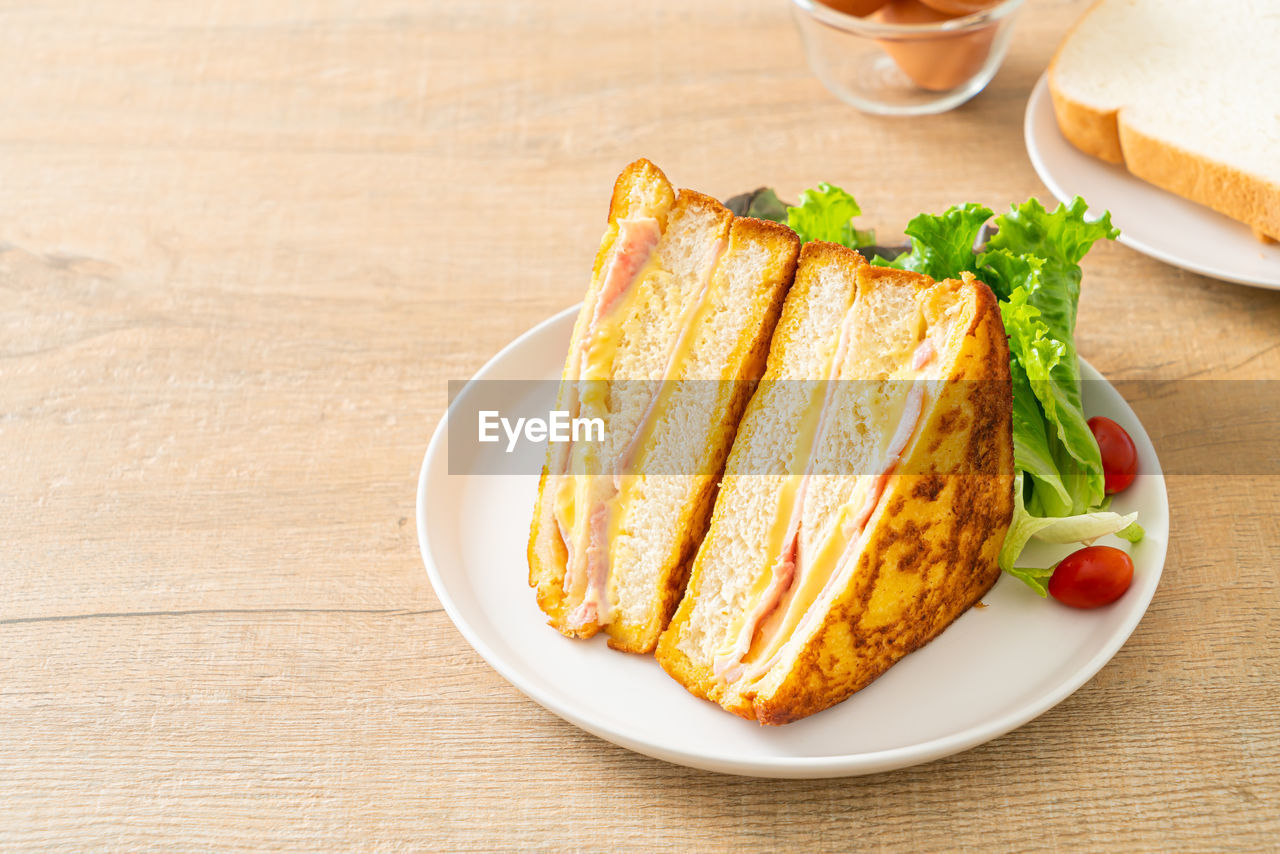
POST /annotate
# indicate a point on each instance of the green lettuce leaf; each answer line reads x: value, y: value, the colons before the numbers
x: 942, y: 246
x: 1032, y: 265
x: 1080, y: 528
x: 1035, y: 577
x: 765, y: 204
x: 1061, y: 238
x: 826, y: 213
x: 1033, y: 444
x: 1134, y: 533
x: 1057, y: 240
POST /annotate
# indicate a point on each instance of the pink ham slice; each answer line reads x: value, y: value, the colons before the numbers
x: 893, y: 455
x: 924, y: 355
x: 595, y: 604
x: 729, y: 666
x: 637, y: 238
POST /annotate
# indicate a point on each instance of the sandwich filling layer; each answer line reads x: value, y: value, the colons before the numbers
x: 590, y: 504
x: 784, y: 534
x: 582, y: 533
x: 807, y: 564
x: 838, y: 551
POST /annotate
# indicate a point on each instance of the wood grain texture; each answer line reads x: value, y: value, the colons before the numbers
x: 244, y: 246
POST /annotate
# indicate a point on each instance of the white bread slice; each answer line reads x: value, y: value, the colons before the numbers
x: 702, y: 310
x: 1184, y: 94
x: 858, y: 601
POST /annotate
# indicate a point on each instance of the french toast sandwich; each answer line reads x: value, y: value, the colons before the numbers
x: 867, y: 495
x: 671, y: 336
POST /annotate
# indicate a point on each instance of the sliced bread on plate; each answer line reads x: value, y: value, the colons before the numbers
x: 1184, y: 94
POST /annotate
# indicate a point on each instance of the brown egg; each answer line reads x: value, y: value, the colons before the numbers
x: 961, y: 7
x: 910, y: 12
x: 861, y: 8
x: 938, y: 63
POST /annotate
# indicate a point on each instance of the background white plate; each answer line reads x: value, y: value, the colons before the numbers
x: 993, y: 670
x: 1152, y: 221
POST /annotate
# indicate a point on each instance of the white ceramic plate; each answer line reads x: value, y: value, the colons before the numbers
x: 994, y: 669
x: 1152, y: 221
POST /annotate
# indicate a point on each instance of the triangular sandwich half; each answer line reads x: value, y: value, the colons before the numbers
x: 674, y: 329
x: 866, y: 497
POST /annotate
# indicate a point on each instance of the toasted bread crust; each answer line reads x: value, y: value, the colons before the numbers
x: 640, y: 185
x: 1103, y: 133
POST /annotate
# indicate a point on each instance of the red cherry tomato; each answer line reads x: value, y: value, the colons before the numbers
x: 1119, y: 456
x: 1091, y: 577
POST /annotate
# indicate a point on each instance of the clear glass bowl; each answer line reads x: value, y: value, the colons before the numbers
x: 904, y: 69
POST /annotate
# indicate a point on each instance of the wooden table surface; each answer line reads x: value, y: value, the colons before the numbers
x: 244, y: 246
